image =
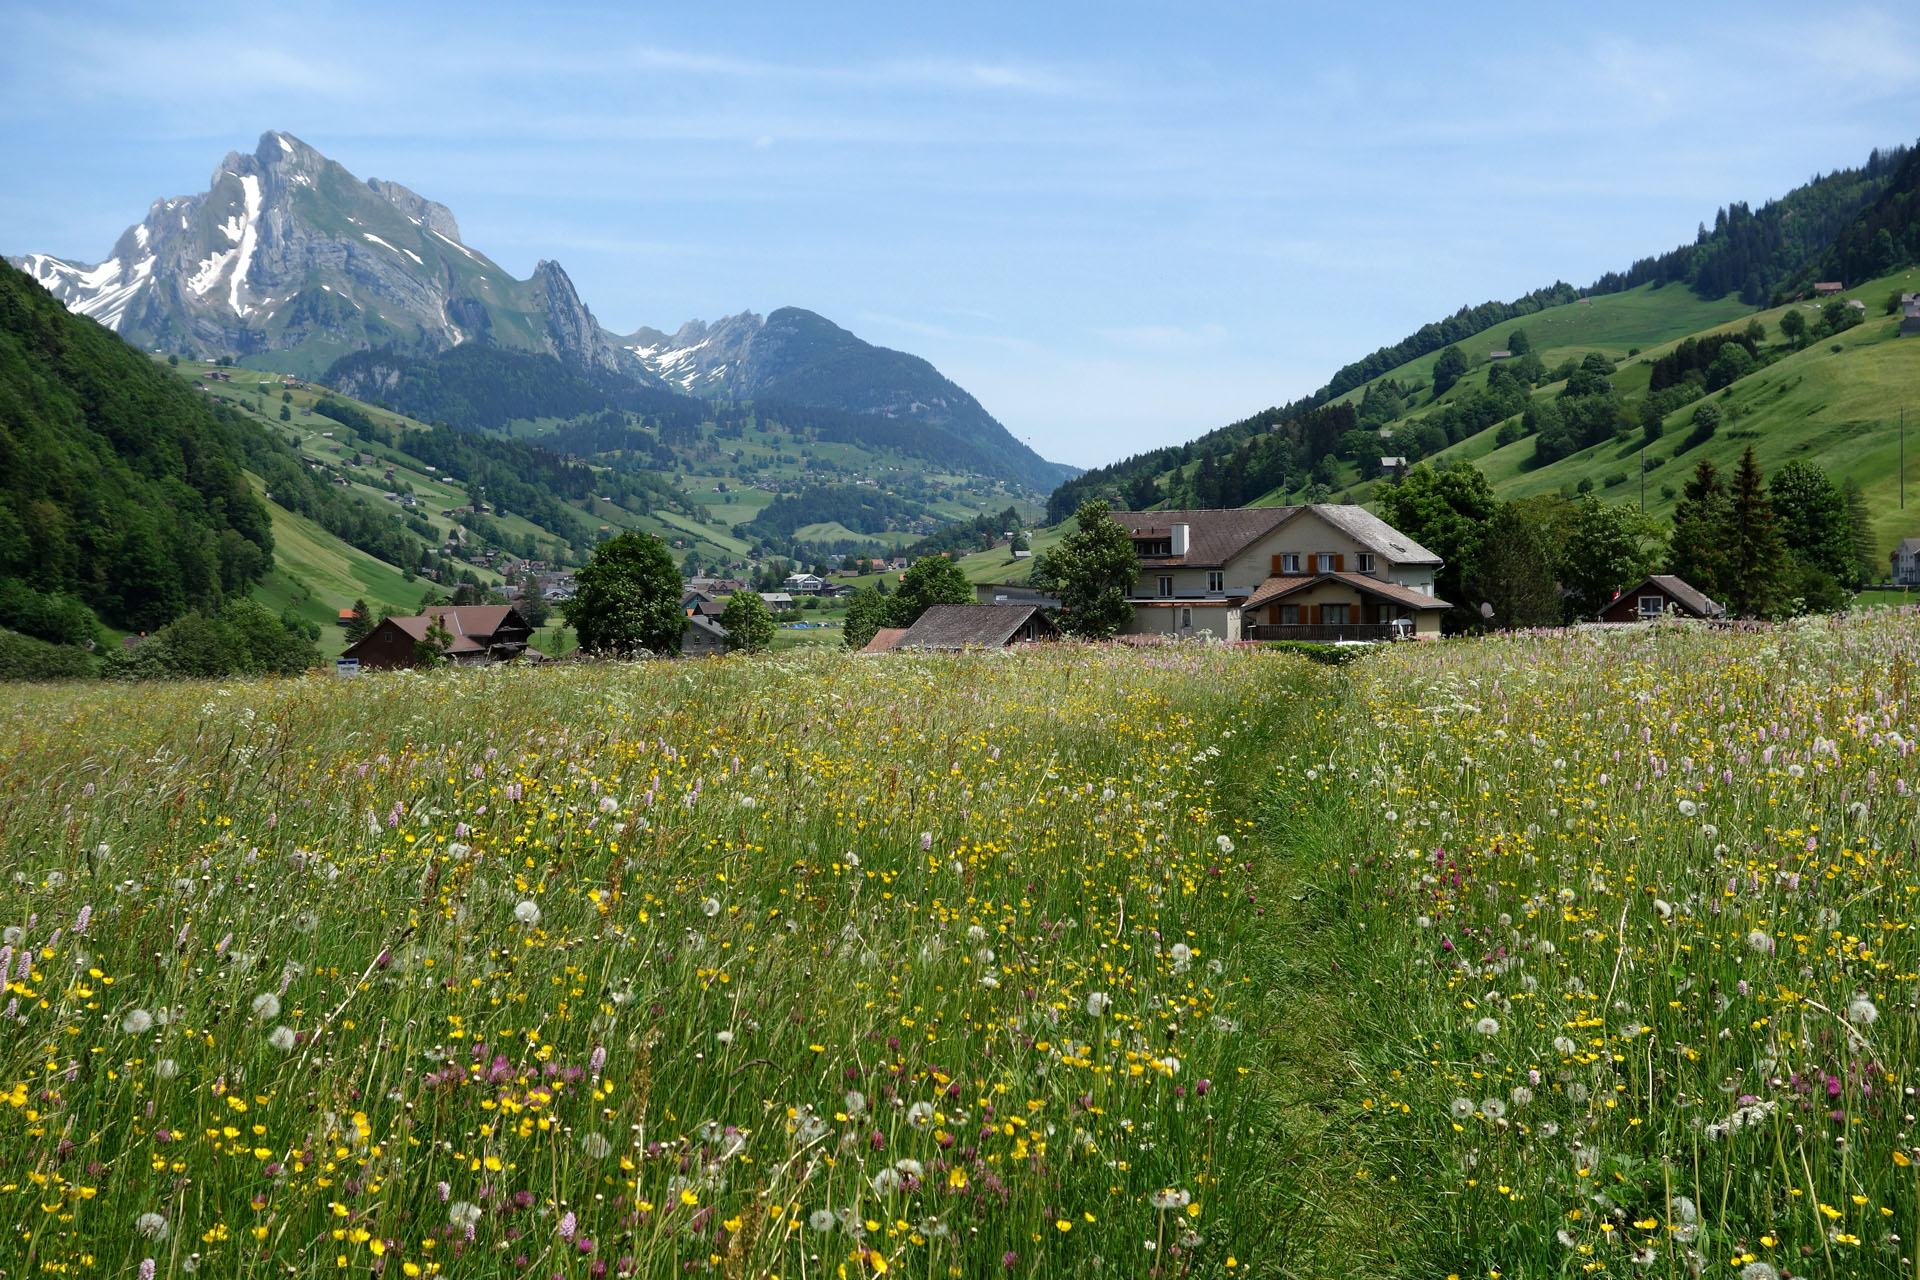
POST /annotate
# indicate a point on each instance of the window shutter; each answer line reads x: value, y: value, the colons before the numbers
x: 1277, y: 570
x: 1339, y: 564
x: 1273, y: 612
x: 1316, y: 614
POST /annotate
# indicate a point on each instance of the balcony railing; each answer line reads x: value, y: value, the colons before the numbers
x: 1324, y: 633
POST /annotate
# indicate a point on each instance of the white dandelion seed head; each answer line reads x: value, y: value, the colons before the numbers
x: 1760, y: 940
x: 1862, y: 1012
x: 266, y: 1006
x: 724, y: 1037
x: 1493, y: 1108
x: 1461, y: 1108
x: 1487, y: 1026
x: 1224, y: 844
x: 1688, y: 808
x: 821, y: 1220
x: 166, y: 1068
x: 710, y: 908
x: 1521, y: 1095
x: 137, y: 1022
x: 856, y: 1103
x: 609, y: 805
x: 151, y: 1225
x: 281, y: 1038
x: 1170, y: 1198
x: 596, y: 1146
x: 527, y: 912
x: 463, y: 1214
x: 920, y: 1114
x: 1098, y: 1003
x: 975, y: 934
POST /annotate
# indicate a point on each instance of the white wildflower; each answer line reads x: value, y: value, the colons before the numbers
x: 1487, y: 1026
x: 151, y: 1225
x: 1097, y: 1003
x: 137, y: 1022
x: 710, y: 908
x: 281, y: 1038
x: 266, y: 1006
x: 1862, y: 1011
x: 527, y: 912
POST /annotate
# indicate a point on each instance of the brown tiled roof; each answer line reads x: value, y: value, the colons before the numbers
x: 1277, y: 588
x: 885, y: 640
x: 1213, y: 537
x: 471, y: 626
x: 966, y: 626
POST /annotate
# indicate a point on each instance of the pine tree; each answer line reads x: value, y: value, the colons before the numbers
x: 1697, y: 553
x: 1755, y: 553
x: 1513, y: 571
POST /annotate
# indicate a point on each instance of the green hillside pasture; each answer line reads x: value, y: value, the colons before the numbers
x: 1839, y: 411
x: 334, y: 573
x: 1612, y: 323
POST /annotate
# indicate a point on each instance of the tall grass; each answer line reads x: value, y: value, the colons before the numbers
x: 801, y: 966
x: 1632, y: 923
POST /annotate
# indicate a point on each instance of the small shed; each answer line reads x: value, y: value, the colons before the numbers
x: 1827, y: 288
x: 1659, y: 596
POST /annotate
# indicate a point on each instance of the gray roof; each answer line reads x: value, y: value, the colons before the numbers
x: 1373, y: 533
x: 966, y: 626
x: 712, y: 628
x: 1909, y: 546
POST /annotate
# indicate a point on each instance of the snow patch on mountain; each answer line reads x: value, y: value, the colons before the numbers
x: 250, y: 185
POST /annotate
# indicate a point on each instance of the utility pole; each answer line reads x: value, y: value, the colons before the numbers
x: 1643, y: 479
x: 1903, y: 457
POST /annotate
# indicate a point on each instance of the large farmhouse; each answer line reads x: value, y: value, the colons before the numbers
x: 477, y: 635
x: 1317, y: 572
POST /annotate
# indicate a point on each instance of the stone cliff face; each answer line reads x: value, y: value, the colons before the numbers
x: 287, y: 252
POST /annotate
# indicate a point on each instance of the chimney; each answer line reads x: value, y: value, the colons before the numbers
x: 1179, y: 539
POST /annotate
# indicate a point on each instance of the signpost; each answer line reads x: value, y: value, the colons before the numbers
x: 346, y: 668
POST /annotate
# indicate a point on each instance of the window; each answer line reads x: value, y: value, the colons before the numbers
x: 1652, y: 606
x: 1186, y: 619
x: 1366, y: 563
x: 1323, y: 564
x: 1216, y: 581
x: 1334, y: 615
x: 1290, y: 615
x: 1166, y: 584
x: 1290, y: 562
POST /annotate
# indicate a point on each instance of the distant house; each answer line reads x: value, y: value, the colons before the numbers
x: 702, y: 638
x: 1828, y: 288
x: 885, y: 640
x: 1499, y: 355
x: 480, y: 635
x: 1909, y: 315
x: 799, y: 584
x: 693, y: 596
x: 778, y: 601
x: 976, y: 626
x: 1660, y: 596
x: 709, y: 609
x: 1906, y: 563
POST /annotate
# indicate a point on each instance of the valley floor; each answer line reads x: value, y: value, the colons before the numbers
x: 1529, y: 957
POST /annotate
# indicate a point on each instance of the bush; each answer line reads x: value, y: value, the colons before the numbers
x: 24, y: 658
x: 1617, y: 478
x: 1332, y: 655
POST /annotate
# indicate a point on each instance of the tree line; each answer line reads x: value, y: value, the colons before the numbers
x: 1765, y: 548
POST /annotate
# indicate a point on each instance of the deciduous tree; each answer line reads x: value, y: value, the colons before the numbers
x: 627, y: 598
x: 1093, y: 570
x: 748, y: 621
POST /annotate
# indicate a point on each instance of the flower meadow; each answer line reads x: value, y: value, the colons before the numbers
x: 801, y: 966
x: 1631, y: 917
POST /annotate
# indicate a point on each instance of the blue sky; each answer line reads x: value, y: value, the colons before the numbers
x: 1118, y: 225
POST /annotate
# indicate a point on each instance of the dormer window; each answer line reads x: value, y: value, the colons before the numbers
x: 1323, y: 564
x: 1289, y: 562
x: 1366, y: 562
x: 1148, y: 547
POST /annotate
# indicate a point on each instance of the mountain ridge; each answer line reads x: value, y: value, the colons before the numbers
x: 288, y: 260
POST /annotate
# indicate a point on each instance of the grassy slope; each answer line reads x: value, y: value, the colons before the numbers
x: 1838, y: 410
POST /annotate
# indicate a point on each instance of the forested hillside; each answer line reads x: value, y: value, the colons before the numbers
x: 119, y: 489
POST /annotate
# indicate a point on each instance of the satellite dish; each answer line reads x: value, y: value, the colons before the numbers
x: 1486, y: 610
